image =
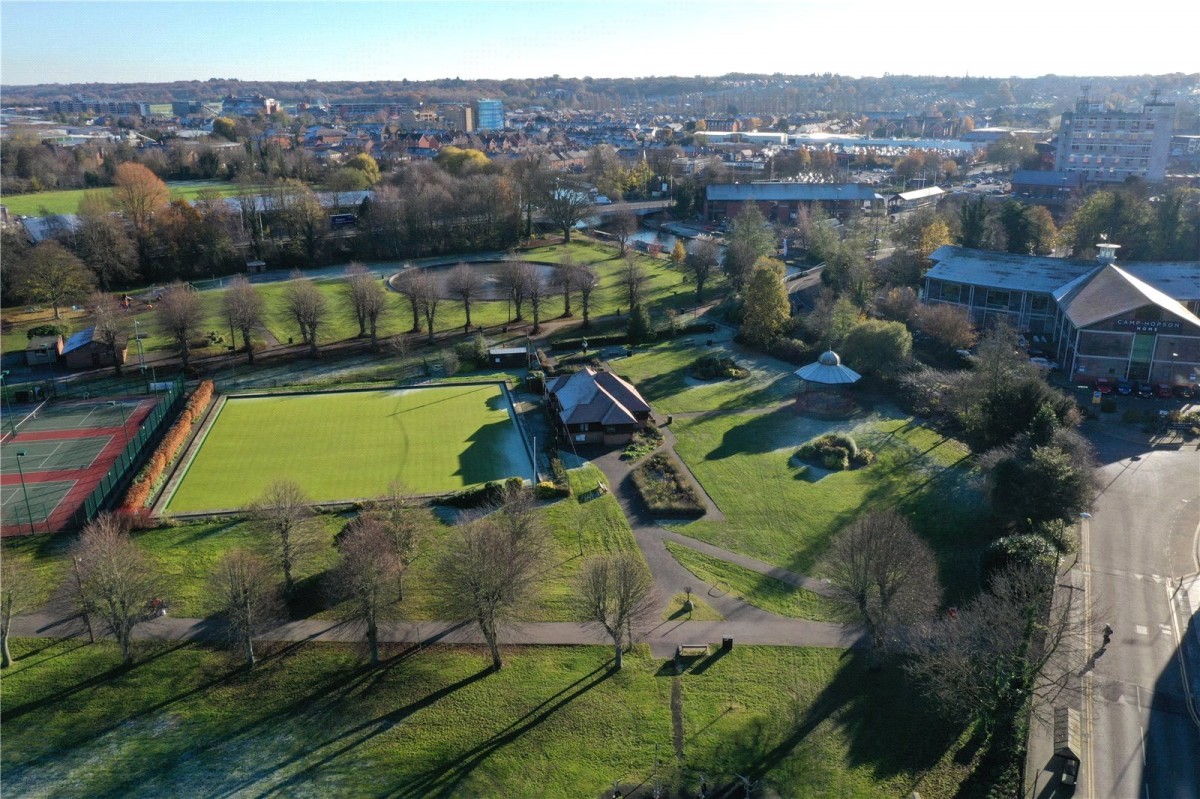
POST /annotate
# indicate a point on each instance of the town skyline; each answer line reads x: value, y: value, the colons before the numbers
x: 65, y: 42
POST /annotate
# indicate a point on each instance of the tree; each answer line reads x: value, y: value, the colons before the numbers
x: 139, y: 195
x: 678, y: 253
x: 614, y: 594
x: 364, y: 163
x: 1044, y: 484
x: 465, y: 285
x: 115, y: 579
x: 972, y: 224
x: 344, y: 181
x: 537, y: 293
x: 430, y: 296
x: 1028, y: 229
x: 490, y: 569
x: 566, y: 279
x: 1012, y: 152
x: 51, y: 274
x: 624, y: 225
x: 364, y: 579
x: 17, y: 593
x: 402, y: 524
x: 1120, y: 217
x: 701, y: 262
x: 948, y: 325
x: 103, y: 243
x: 245, y: 592
x: 111, y: 325
x: 639, y: 328
x: 588, y: 281
x: 305, y: 303
x: 877, y: 347
x: 900, y: 304
x: 179, y: 313
x: 243, y: 304
x: 633, y: 276
x: 564, y: 204
x: 1008, y: 646
x: 766, y: 309
x: 367, y: 300
x: 886, y: 574
x: 412, y: 285
x: 514, y: 279
x: 282, y: 516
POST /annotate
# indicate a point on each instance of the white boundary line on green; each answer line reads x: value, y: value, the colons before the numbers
x: 185, y: 461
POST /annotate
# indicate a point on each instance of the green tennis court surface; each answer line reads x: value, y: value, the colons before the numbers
x: 56, y: 416
x: 51, y: 455
x: 340, y: 446
x: 43, y: 497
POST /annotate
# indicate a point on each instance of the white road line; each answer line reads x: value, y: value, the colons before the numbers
x: 1085, y: 560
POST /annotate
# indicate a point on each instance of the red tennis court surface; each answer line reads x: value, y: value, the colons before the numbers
x: 59, y: 453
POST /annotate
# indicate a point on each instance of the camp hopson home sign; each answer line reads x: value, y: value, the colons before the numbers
x: 1144, y: 326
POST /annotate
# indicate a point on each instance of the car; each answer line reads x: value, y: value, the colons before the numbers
x: 1145, y: 389
x: 1070, y: 772
x: 1162, y: 390
x: 1124, y: 387
x: 1104, y: 385
x: 1182, y: 392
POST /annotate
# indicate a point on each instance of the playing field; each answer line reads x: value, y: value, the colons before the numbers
x: 352, y: 445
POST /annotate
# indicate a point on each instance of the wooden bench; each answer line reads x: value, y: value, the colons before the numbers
x: 691, y: 651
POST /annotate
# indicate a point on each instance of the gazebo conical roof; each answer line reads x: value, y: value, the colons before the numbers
x: 828, y: 371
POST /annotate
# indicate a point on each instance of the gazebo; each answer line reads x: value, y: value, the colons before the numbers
x: 821, y: 384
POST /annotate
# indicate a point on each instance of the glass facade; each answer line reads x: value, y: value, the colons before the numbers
x: 489, y: 115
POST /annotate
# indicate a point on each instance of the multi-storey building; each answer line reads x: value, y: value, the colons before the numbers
x: 1107, y: 146
x: 489, y: 114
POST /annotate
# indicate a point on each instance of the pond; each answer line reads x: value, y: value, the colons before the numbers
x: 489, y: 271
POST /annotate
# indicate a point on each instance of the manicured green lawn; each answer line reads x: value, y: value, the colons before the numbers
x: 67, y: 200
x: 311, y: 721
x: 777, y: 510
x: 340, y: 446
x: 661, y: 374
x: 757, y: 589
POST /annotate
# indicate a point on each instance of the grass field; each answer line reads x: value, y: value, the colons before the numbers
x: 780, y: 512
x: 757, y: 589
x: 311, y: 721
x: 340, y: 446
x: 67, y: 200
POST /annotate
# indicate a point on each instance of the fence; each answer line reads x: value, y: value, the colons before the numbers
x: 131, y: 457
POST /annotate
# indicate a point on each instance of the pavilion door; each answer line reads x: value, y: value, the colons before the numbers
x: 1141, y: 356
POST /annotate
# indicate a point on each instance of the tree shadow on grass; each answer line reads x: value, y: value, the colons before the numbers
x: 444, y: 779
x: 758, y: 434
x: 494, y: 452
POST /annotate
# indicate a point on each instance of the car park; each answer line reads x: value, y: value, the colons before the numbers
x: 1105, y: 385
x: 1182, y: 392
x: 1124, y: 387
x: 1162, y: 391
x: 1145, y: 389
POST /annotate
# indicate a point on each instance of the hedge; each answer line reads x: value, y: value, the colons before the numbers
x: 143, y: 485
x: 836, y: 452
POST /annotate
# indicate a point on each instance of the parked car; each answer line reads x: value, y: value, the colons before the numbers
x: 1105, y: 385
x: 1145, y: 389
x: 1162, y: 390
x: 1124, y: 387
x: 1182, y: 392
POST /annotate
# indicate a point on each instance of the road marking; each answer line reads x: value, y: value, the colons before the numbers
x: 1141, y: 729
x: 1140, y: 630
x: 1085, y: 559
x: 1165, y: 629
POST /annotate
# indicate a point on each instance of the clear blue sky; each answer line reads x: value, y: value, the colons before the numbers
x: 66, y: 42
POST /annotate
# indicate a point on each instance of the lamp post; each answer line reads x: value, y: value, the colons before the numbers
x: 7, y: 404
x: 121, y: 407
x: 137, y: 333
x: 24, y: 490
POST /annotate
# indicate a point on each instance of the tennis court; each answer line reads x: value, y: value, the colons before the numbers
x: 43, y: 499
x: 50, y: 417
x: 51, y: 455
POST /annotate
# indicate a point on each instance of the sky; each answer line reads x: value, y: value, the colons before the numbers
x: 75, y: 42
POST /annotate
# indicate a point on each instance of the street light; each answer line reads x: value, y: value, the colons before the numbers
x: 121, y: 407
x: 24, y: 490
x: 7, y: 404
x: 137, y: 332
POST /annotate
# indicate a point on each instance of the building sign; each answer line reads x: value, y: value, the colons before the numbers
x: 1146, y: 326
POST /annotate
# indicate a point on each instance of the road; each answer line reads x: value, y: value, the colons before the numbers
x: 1138, y: 565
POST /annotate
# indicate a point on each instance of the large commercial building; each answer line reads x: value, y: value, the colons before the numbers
x: 781, y: 202
x: 1099, y: 318
x: 489, y: 114
x: 1107, y: 146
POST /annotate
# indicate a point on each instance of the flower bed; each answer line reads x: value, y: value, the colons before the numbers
x: 143, y: 485
x: 661, y: 483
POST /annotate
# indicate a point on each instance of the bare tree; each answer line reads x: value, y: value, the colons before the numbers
x: 412, y: 285
x: 515, y: 278
x: 403, y: 524
x: 466, y: 286
x: 50, y: 273
x: 624, y: 226
x: 368, y: 301
x: 886, y: 573
x: 1009, y: 646
x: 564, y: 205
x: 111, y: 326
x: 179, y: 313
x: 364, y: 579
x: 537, y: 293
x: 115, y: 580
x: 17, y: 593
x: 430, y: 296
x: 614, y: 593
x: 565, y: 279
x: 307, y: 305
x: 103, y: 243
x: 633, y: 276
x: 245, y: 591
x: 282, y: 516
x: 588, y: 282
x: 701, y: 261
x: 244, y: 305
x: 489, y: 569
